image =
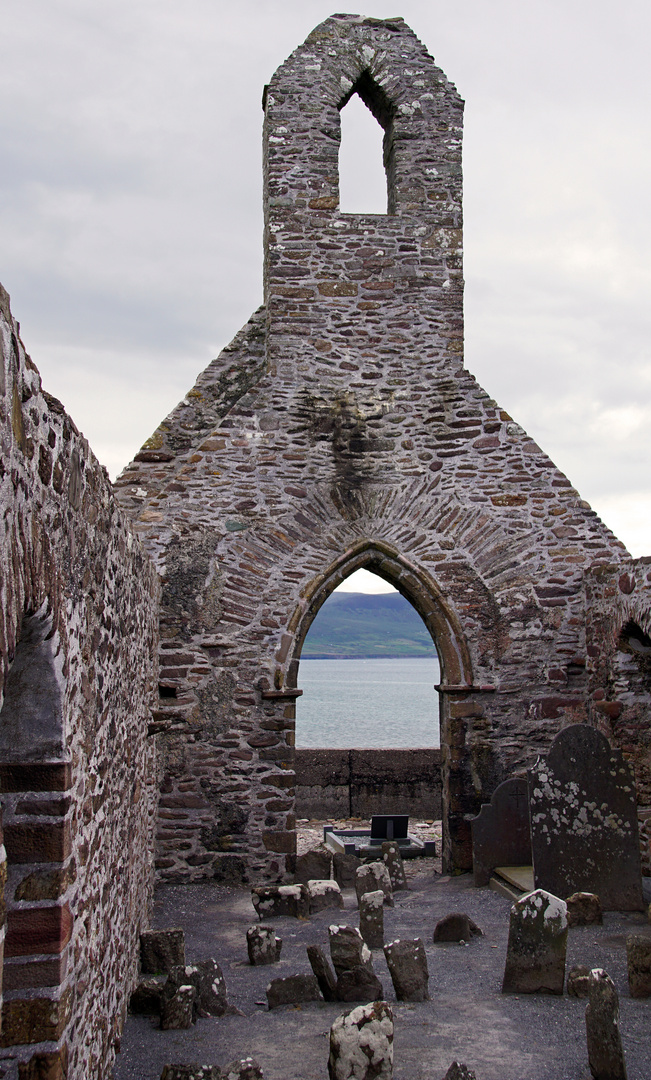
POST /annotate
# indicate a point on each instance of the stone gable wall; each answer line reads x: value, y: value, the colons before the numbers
x: 355, y: 437
x: 78, y: 647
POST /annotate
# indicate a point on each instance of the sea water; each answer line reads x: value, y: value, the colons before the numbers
x: 368, y: 703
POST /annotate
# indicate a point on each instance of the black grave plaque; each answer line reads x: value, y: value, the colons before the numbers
x: 500, y: 832
x: 389, y: 826
x: 584, y: 828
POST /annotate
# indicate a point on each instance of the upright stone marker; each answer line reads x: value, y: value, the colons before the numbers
x: 584, y: 826
x: 371, y: 918
x: 535, y: 959
x: 638, y: 959
x: 372, y: 876
x: 605, y: 1053
x: 500, y: 832
x: 392, y: 859
x: 361, y: 1044
x: 407, y: 965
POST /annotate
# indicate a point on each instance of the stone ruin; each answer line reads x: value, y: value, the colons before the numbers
x: 340, y: 429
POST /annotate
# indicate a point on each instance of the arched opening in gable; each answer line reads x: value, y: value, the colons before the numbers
x: 365, y: 153
x: 445, y: 632
x: 35, y: 782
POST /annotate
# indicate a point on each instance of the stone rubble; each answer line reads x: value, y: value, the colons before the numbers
x: 407, y: 965
x: 535, y: 958
x: 361, y: 1044
x: 584, y: 909
x: 605, y: 1053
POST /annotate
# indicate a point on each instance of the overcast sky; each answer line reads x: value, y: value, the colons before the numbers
x: 130, y: 209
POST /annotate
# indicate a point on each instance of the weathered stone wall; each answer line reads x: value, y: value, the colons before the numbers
x: 78, y: 647
x: 340, y: 430
x: 360, y: 783
x: 619, y: 668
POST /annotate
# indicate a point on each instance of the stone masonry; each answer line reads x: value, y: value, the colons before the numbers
x: 339, y: 430
x: 78, y: 655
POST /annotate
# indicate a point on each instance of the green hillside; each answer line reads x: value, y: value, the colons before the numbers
x: 367, y: 625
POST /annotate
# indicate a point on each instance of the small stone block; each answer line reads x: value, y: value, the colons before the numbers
x: 359, y: 984
x: 323, y: 972
x: 605, y: 1053
x: 312, y: 865
x: 161, y: 950
x: 638, y: 958
x: 456, y: 927
x: 324, y: 894
x: 145, y: 999
x: 458, y: 1071
x: 407, y: 965
x: 275, y: 901
x: 392, y: 859
x: 535, y: 958
x: 373, y: 876
x: 292, y: 990
x: 262, y: 945
x: 371, y: 918
x: 578, y: 981
x: 344, y: 869
x: 584, y: 909
x: 246, y: 1069
x: 177, y: 1010
x: 191, y: 1072
x: 361, y: 1044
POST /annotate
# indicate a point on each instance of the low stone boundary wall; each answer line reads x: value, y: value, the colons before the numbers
x: 360, y: 783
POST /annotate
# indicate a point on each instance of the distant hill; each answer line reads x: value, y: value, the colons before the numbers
x: 367, y: 625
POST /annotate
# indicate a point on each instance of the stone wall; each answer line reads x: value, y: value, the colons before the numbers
x: 78, y: 647
x: 341, y: 430
x: 360, y: 783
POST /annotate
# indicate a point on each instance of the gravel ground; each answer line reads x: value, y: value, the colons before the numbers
x: 501, y: 1037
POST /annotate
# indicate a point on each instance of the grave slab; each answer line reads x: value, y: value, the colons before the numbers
x: 584, y: 826
x: 535, y: 958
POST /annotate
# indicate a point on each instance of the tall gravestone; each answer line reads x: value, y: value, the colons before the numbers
x: 500, y: 832
x: 584, y: 827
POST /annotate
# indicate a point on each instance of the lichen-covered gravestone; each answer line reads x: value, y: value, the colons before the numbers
x: 584, y: 827
x: 407, y: 965
x: 500, y: 832
x: 535, y: 958
x: 274, y: 901
x: 292, y: 990
x: 392, y: 859
x: 605, y: 1053
x: 371, y: 918
x: 353, y: 963
x: 323, y: 973
x: 324, y: 894
x: 373, y: 876
x: 262, y: 945
x: 638, y: 958
x: 361, y: 1044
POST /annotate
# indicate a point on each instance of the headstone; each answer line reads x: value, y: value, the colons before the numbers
x: 348, y: 949
x: 324, y: 894
x: 638, y: 958
x: 583, y: 909
x: 389, y: 826
x: 407, y: 965
x: 371, y: 918
x: 359, y: 984
x: 292, y: 990
x: 208, y: 981
x: 456, y: 927
x: 361, y: 1044
x: 177, y: 1008
x: 605, y: 1053
x: 578, y: 981
x: 344, y: 868
x: 191, y: 1072
x: 145, y: 999
x: 323, y: 972
x: 459, y: 1072
x: 500, y: 832
x: 273, y: 901
x: 312, y: 864
x: 584, y: 827
x: 535, y: 958
x: 392, y: 859
x: 372, y: 876
x: 161, y: 950
x: 262, y: 945
x: 246, y: 1069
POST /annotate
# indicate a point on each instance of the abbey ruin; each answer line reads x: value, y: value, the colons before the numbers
x: 151, y: 631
